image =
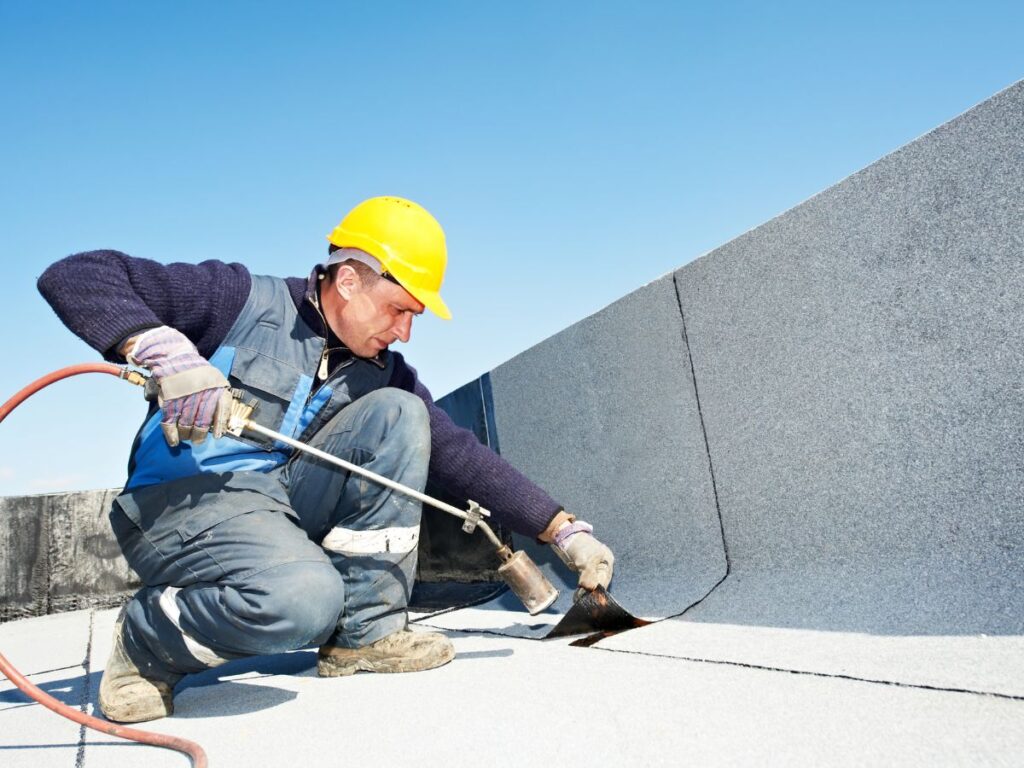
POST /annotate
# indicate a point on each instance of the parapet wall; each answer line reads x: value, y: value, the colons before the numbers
x: 57, y: 553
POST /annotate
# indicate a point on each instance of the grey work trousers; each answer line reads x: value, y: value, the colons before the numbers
x: 335, y: 565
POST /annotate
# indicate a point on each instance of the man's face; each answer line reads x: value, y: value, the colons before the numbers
x: 368, y: 320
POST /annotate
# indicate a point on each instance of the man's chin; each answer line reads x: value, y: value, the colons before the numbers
x: 371, y: 350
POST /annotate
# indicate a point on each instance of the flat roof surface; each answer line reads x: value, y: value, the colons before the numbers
x: 504, y: 701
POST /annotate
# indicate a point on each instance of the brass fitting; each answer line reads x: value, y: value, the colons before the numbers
x: 134, y: 377
x: 240, y: 413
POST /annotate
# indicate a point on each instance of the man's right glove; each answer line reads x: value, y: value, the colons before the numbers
x: 194, y: 396
x: 575, y: 545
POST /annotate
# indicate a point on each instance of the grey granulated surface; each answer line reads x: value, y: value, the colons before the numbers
x: 51, y: 652
x: 501, y: 700
x: 603, y: 416
x: 989, y: 664
x: 859, y: 361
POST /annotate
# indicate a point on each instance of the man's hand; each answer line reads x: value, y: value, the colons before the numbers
x: 575, y: 545
x: 193, y: 395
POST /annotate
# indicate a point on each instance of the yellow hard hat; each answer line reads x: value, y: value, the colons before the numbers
x: 405, y: 239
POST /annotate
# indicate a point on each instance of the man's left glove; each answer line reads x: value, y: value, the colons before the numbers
x: 575, y: 545
x: 194, y: 396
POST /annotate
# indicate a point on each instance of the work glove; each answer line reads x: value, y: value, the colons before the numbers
x: 575, y: 545
x: 193, y: 395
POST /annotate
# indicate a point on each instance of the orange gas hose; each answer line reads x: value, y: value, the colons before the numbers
x: 190, y: 748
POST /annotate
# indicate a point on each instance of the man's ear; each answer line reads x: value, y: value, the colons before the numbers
x: 347, y: 282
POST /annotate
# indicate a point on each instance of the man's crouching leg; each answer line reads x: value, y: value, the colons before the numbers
x: 134, y: 692
x: 269, y: 601
x: 371, y: 533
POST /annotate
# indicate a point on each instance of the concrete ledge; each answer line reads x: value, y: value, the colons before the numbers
x: 57, y: 553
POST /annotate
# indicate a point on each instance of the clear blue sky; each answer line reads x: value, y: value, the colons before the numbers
x: 573, y: 152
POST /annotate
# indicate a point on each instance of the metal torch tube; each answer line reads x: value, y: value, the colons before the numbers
x: 437, y: 503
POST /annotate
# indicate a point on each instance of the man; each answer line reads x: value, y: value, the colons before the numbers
x: 247, y: 548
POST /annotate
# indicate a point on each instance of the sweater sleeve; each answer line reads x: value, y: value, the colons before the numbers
x: 470, y: 470
x: 106, y: 296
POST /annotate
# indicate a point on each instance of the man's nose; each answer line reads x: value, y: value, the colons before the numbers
x: 403, y: 328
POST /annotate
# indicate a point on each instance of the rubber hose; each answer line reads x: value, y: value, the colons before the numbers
x: 190, y: 748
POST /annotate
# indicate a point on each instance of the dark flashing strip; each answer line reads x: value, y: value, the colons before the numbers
x: 830, y: 675
x: 499, y: 589
x: 490, y: 427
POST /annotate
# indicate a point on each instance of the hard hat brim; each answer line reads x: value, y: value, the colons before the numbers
x: 433, y: 302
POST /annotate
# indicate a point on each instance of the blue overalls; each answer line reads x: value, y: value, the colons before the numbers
x: 245, y: 548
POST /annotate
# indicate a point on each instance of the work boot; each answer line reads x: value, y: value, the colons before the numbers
x: 402, y: 651
x: 125, y: 695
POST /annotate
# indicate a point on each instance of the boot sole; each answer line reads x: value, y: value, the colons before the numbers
x: 331, y: 666
x: 139, y: 712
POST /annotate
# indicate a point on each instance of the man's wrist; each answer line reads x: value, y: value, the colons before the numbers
x: 562, y: 518
x: 126, y: 346
x: 568, y: 530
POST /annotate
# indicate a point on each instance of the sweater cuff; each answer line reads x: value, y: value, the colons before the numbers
x: 546, y: 522
x: 111, y: 353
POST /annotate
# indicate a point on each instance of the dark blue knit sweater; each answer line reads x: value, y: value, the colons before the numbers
x: 107, y: 296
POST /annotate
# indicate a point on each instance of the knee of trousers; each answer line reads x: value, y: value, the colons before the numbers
x: 399, y: 421
x: 292, y: 605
